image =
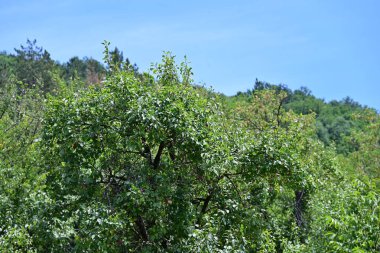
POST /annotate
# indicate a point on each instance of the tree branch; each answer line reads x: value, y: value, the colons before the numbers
x: 171, y: 151
x: 279, y: 111
x: 141, y: 228
x: 146, y: 152
x: 157, y: 159
x: 206, y: 202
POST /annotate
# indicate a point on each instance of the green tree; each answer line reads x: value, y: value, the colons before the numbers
x: 34, y: 67
x: 75, y: 68
x: 346, y: 217
x: 7, y: 65
x: 365, y: 161
x: 164, y: 170
x: 284, y: 153
x: 153, y: 163
x: 130, y: 145
x: 21, y: 184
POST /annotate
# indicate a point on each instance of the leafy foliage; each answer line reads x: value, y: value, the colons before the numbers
x: 107, y: 159
x: 347, y: 218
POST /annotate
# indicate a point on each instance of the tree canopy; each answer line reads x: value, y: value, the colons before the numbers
x: 102, y: 158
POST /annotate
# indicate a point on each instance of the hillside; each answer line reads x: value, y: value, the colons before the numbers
x: 104, y: 158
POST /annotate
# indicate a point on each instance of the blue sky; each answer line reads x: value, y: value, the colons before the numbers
x: 331, y: 47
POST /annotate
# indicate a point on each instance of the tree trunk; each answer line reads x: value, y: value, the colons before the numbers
x: 298, y: 207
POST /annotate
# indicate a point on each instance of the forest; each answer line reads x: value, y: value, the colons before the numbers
x: 102, y: 157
